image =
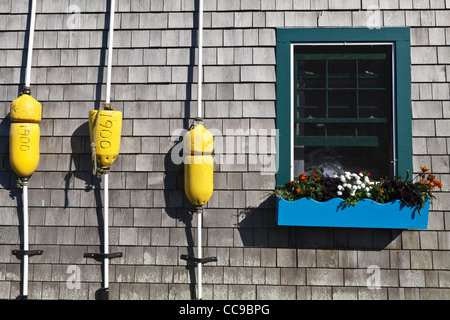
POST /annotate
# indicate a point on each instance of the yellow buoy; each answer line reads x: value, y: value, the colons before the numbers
x: 26, y: 109
x: 24, y: 148
x: 198, y: 179
x: 198, y: 165
x: 105, y: 132
x: 198, y: 141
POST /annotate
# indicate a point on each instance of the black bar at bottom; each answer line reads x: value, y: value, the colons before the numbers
x: 102, y: 294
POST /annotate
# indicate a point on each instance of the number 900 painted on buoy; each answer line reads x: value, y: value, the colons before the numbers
x: 24, y: 148
x: 105, y: 131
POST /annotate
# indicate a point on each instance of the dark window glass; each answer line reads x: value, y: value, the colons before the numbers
x: 343, y: 118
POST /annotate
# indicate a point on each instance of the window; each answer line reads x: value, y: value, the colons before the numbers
x: 343, y: 101
x: 343, y: 108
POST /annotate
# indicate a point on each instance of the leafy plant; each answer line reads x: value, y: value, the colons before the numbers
x: 307, y: 185
x: 353, y: 187
x: 408, y: 191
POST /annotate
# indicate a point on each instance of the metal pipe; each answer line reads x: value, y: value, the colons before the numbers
x: 106, y: 231
x: 200, y: 59
x: 25, y: 241
x: 25, y: 186
x: 199, y: 254
x: 105, y: 256
x: 106, y: 176
x: 110, y: 51
x: 30, y: 44
x: 199, y: 115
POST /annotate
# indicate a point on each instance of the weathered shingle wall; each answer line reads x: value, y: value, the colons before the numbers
x: 154, y: 84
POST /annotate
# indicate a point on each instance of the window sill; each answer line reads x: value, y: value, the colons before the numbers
x: 366, y: 214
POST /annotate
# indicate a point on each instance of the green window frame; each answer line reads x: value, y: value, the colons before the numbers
x: 287, y: 39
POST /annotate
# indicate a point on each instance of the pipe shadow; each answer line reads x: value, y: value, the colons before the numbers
x: 15, y: 193
x: 81, y: 170
x: 26, y: 39
x: 7, y: 176
x: 190, y: 73
x: 90, y: 179
x: 258, y: 227
x: 176, y: 203
x: 102, y: 61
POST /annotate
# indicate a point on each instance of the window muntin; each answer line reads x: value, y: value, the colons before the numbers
x: 343, y: 108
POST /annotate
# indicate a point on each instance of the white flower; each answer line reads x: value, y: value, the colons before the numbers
x: 340, y: 188
x: 339, y: 193
x: 342, y: 179
x: 367, y: 189
x: 360, y: 174
x: 369, y: 195
x: 363, y: 185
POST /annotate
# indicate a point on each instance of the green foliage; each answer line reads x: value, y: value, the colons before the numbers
x: 352, y: 187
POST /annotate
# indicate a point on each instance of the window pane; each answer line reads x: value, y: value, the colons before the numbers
x: 353, y: 159
x: 373, y: 73
x: 311, y: 74
x: 342, y: 103
x: 372, y: 104
x: 344, y: 109
x: 341, y: 74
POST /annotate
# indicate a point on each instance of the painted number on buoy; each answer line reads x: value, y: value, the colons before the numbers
x: 24, y: 139
x: 105, y: 133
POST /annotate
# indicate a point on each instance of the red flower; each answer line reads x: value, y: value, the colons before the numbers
x: 365, y: 172
x: 437, y: 183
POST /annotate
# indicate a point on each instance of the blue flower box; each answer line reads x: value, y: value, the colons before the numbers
x: 365, y: 214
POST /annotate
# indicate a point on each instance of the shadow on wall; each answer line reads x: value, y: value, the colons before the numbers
x: 81, y: 169
x: 177, y: 209
x: 177, y: 206
x: 81, y: 162
x: 7, y: 176
x: 80, y: 143
x: 258, y: 227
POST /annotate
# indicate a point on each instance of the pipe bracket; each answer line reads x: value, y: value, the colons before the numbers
x: 21, y: 253
x: 197, y: 260
x: 102, y: 256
